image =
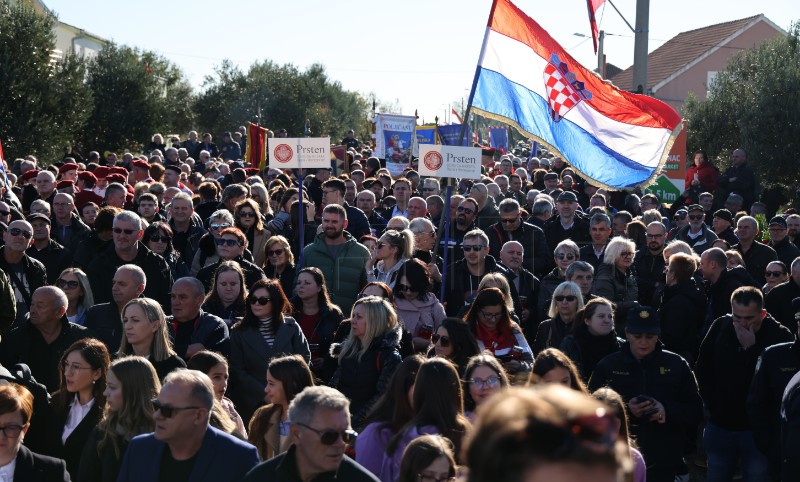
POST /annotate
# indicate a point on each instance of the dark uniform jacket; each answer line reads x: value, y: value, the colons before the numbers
x: 756, y: 259
x: 536, y: 254
x: 778, y: 303
x: 105, y: 321
x: 554, y: 232
x: 786, y: 251
x: 54, y: 257
x: 209, y: 330
x: 284, y: 468
x: 682, y: 313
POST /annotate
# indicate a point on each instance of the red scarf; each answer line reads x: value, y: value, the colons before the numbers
x: 494, y: 340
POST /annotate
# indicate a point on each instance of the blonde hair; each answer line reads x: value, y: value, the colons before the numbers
x: 380, y: 318
x: 565, y: 288
x: 161, y: 347
x: 500, y: 282
x: 278, y: 239
x: 88, y: 298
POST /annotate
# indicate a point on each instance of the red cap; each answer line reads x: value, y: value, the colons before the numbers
x: 87, y: 176
x: 65, y: 183
x: 70, y: 166
x: 119, y: 170
x: 142, y: 164
x: 101, y: 172
x: 28, y: 175
x: 117, y: 178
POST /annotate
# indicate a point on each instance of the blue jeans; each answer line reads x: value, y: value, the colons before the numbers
x: 725, y: 448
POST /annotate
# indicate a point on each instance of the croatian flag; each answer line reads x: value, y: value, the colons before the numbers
x: 525, y: 79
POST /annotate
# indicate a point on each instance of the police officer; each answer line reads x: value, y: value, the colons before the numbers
x: 659, y: 388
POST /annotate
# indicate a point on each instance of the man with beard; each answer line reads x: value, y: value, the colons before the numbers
x: 512, y: 228
x: 342, y: 259
x: 779, y: 241
x: 567, y: 225
x: 466, y: 213
x: 649, y: 263
x: 696, y: 233
x: 793, y: 224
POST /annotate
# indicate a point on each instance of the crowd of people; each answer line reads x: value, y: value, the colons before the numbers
x: 161, y: 320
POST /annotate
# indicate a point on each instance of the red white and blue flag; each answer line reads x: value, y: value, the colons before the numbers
x: 593, y: 5
x: 526, y: 79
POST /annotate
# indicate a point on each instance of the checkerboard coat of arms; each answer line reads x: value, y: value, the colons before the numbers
x: 564, y: 90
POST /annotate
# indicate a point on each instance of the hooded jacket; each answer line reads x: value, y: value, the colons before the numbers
x: 346, y: 274
x: 682, y: 313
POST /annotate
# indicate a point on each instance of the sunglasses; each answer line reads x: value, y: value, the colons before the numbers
x: 561, y: 298
x: 567, y: 256
x: 260, y: 301
x: 18, y: 232
x: 770, y: 274
x: 62, y: 283
x: 4, y: 213
x: 217, y: 227
x: 696, y: 217
x: 436, y: 338
x: 168, y: 411
x: 401, y: 287
x: 228, y: 242
x: 330, y: 437
x: 275, y: 252
x: 509, y: 221
x: 126, y: 231
x: 247, y: 214
x: 475, y: 247
x: 160, y: 239
x: 462, y: 209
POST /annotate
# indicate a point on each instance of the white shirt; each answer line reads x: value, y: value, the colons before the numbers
x: 7, y: 471
x: 77, y: 413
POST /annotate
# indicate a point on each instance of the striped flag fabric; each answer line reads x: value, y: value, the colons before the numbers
x: 526, y: 79
x: 256, y: 153
x: 593, y: 5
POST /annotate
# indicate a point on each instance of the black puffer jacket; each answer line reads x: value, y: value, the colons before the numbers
x: 682, y: 313
x: 363, y: 379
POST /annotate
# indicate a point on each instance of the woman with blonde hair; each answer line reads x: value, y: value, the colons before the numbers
x: 369, y: 355
x: 392, y: 251
x: 131, y: 384
x: 614, y: 279
x: 567, y: 301
x: 75, y: 284
x: 146, y: 335
x: 279, y: 262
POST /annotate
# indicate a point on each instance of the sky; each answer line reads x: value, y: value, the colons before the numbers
x: 417, y: 54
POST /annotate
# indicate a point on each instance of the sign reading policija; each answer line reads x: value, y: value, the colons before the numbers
x: 449, y: 161
x: 299, y: 152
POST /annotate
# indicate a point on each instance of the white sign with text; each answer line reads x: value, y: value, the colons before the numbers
x: 299, y: 152
x: 449, y: 161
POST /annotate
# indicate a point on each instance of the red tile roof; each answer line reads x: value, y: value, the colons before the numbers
x: 680, y: 51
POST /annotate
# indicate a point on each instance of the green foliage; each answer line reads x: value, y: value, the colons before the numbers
x: 284, y: 97
x: 754, y: 104
x: 136, y: 94
x: 43, y: 104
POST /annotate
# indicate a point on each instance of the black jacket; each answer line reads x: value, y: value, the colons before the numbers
x: 330, y: 318
x: 719, y: 297
x: 776, y: 366
x: 528, y: 296
x: 725, y: 369
x: 786, y: 251
x: 364, y: 379
x: 32, y: 467
x: 682, y: 313
x: 88, y: 249
x: 72, y: 450
x: 101, y: 465
x: 105, y: 321
x: 550, y: 334
x: 664, y: 376
x: 458, y: 282
x: 286, y: 278
x: 159, y: 278
x: 586, y: 350
x: 54, y: 257
x: 78, y: 232
x: 649, y: 270
x: 252, y: 273
x: 698, y: 244
x: 790, y: 430
x: 283, y: 467
x: 756, y: 259
x: 555, y: 233
x: 547, y: 287
x: 587, y: 254
x: 536, y: 257
x: 740, y: 180
x: 35, y: 274
x: 778, y: 303
x: 209, y: 330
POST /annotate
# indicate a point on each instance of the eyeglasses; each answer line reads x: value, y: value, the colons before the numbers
x: 696, y: 217
x: 12, y: 431
x: 654, y: 236
x: 18, y: 232
x: 433, y: 478
x: 491, y: 316
x: 567, y: 256
x: 217, y: 227
x: 436, y: 338
x: 770, y: 274
x: 474, y: 247
x: 228, y: 242
x: 126, y: 231
x: 160, y: 239
x: 626, y: 254
x: 168, y: 411
x: 491, y: 382
x: 260, y: 301
x: 73, y: 367
x: 62, y: 283
x: 401, y: 287
x: 462, y: 209
x: 247, y: 214
x: 560, y: 298
x: 275, y: 252
x: 509, y: 221
x: 330, y: 437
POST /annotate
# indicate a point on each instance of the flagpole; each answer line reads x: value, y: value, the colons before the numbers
x: 301, y: 211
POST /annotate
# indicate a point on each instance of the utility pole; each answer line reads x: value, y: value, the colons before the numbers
x: 601, y: 61
x: 640, y: 46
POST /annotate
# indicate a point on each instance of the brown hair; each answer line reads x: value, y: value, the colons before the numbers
x: 15, y: 397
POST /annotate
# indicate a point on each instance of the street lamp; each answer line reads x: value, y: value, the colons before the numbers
x: 601, y: 61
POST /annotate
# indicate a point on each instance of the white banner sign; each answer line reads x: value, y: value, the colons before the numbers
x: 449, y: 161
x: 299, y: 152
